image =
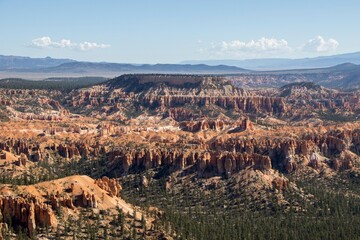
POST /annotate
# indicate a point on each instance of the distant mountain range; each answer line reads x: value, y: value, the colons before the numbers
x: 16, y: 62
x: 340, y: 71
x: 86, y: 67
x: 25, y: 67
x: 285, y: 63
x: 343, y: 76
x: 48, y: 64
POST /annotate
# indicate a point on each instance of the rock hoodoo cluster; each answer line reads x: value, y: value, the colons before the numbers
x: 27, y: 211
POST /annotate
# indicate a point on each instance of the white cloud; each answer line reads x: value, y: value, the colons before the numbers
x: 319, y: 44
x: 46, y: 42
x: 64, y: 43
x: 267, y: 47
x: 88, y: 46
x: 42, y: 42
x: 253, y: 47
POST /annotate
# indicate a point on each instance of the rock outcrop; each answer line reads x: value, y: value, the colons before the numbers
x: 181, y: 97
x: 111, y: 186
x: 221, y: 163
x: 206, y: 124
x: 28, y: 212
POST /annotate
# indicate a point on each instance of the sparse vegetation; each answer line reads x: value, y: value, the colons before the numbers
x: 62, y: 84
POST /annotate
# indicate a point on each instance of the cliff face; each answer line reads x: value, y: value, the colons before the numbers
x: 223, y: 155
x: 37, y: 204
x: 181, y: 97
x: 283, y: 152
x: 228, y: 156
x: 27, y: 212
x: 33, y: 104
x: 30, y: 148
x: 111, y: 186
x: 192, y: 126
x: 189, y: 97
x: 205, y: 162
x: 33, y: 151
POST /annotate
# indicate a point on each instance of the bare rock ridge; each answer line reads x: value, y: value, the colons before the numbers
x: 166, y: 93
x: 37, y: 204
x: 224, y: 155
x: 181, y: 97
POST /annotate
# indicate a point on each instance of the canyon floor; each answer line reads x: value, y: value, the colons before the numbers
x: 159, y: 156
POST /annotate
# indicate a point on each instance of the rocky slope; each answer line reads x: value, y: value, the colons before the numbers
x: 166, y: 94
x: 183, y: 98
x: 51, y: 204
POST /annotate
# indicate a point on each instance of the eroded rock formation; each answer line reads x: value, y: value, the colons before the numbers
x: 111, y: 186
x: 27, y: 211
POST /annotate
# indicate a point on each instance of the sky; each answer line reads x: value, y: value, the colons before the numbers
x: 169, y: 31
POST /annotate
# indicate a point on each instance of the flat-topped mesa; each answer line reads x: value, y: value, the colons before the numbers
x: 160, y: 93
x: 171, y: 79
x: 171, y: 84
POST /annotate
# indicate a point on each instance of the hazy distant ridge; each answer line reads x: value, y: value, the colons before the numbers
x: 285, y: 63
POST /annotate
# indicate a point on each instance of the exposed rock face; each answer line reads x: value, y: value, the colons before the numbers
x: 31, y: 220
x: 28, y: 212
x: 183, y: 97
x: 57, y: 200
x: 231, y: 153
x: 3, y: 228
x: 179, y: 114
x: 144, y: 182
x: 22, y: 160
x: 281, y: 183
x: 87, y: 200
x: 242, y: 125
x: 344, y: 162
x: 2, y: 155
x: 67, y: 151
x: 111, y: 186
x: 210, y: 162
x: 215, y: 125
x: 31, y: 106
x: 177, y: 96
x: 247, y: 125
x: 36, y: 204
x: 315, y: 162
x: 29, y: 149
x: 229, y: 163
x: 283, y: 151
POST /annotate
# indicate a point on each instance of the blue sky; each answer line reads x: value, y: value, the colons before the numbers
x: 169, y: 31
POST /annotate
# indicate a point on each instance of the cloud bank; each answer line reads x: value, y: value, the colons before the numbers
x: 47, y: 42
x: 268, y: 47
x: 319, y: 44
x: 263, y: 44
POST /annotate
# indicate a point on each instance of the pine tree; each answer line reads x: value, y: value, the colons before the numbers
x: 106, y: 232
x: 143, y: 222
